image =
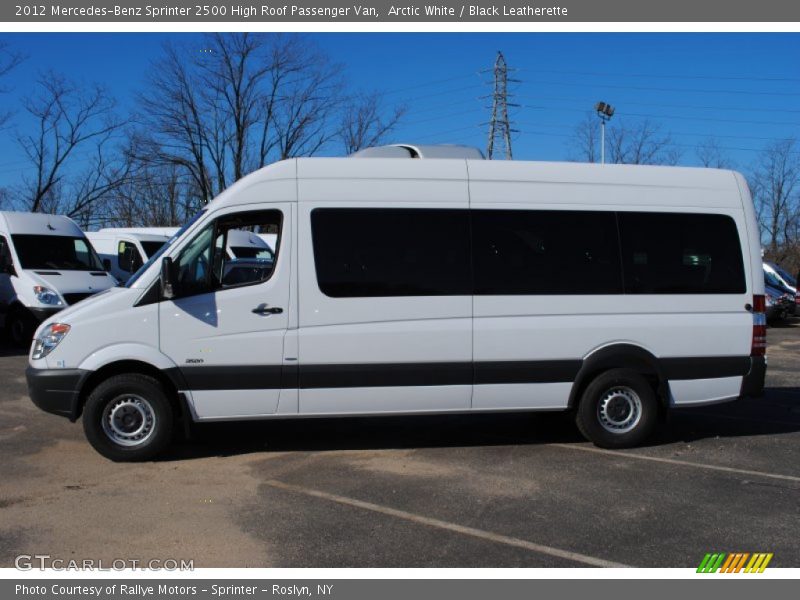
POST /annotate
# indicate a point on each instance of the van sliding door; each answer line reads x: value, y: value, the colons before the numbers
x: 385, y: 304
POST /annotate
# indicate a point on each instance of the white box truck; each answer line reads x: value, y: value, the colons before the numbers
x: 429, y: 285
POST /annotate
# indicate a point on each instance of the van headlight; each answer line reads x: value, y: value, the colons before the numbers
x: 46, y: 296
x: 50, y: 337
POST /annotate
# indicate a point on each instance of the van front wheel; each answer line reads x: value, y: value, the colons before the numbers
x: 20, y: 326
x: 618, y: 409
x: 128, y: 418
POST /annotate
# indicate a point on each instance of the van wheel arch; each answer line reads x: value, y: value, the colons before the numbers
x: 621, y: 356
x: 166, y: 379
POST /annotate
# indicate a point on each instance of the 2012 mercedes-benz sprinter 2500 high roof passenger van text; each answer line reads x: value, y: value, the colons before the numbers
x: 403, y: 286
x: 46, y: 264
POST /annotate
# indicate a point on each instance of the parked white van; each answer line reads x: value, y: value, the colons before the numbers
x: 46, y: 264
x: 407, y: 286
x: 124, y: 250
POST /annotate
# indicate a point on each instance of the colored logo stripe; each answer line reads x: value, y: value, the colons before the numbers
x: 734, y: 562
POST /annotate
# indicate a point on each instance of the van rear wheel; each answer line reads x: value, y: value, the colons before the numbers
x: 128, y: 418
x: 618, y: 409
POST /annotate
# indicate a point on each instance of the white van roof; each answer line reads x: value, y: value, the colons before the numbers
x: 708, y: 187
x: 240, y: 238
x: 38, y: 224
x: 159, y: 231
x: 106, y: 234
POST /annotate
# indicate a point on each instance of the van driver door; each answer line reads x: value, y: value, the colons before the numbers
x: 226, y: 324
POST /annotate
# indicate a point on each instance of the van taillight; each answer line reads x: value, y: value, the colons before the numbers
x: 759, y: 346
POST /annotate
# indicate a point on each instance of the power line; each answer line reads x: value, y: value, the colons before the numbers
x: 663, y: 116
x: 583, y: 101
x: 677, y: 133
x: 664, y: 76
x: 429, y: 83
x: 660, y: 89
x: 566, y: 135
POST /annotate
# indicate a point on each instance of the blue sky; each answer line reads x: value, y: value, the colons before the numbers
x: 742, y: 89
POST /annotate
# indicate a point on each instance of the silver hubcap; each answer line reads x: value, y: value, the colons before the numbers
x: 129, y: 420
x: 619, y: 410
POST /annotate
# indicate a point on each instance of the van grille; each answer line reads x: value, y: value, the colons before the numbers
x: 75, y: 298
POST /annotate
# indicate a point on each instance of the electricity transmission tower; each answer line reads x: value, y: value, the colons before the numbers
x: 500, y: 127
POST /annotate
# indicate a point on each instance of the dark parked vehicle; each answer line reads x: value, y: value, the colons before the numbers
x: 779, y: 303
x: 781, y: 290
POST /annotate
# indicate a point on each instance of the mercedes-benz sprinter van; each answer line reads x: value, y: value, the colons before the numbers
x: 46, y: 264
x: 419, y: 286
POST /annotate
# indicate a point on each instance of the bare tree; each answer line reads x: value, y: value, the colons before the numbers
x: 586, y: 140
x: 252, y: 99
x: 153, y: 196
x: 365, y: 123
x: 712, y: 155
x: 304, y: 118
x: 775, y: 186
x: 9, y: 60
x: 177, y: 130
x: 70, y: 147
x: 639, y: 144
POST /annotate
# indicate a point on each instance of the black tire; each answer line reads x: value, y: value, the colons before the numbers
x: 128, y: 418
x: 608, y: 409
x: 20, y: 327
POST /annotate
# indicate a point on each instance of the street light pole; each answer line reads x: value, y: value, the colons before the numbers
x: 605, y: 112
x: 602, y: 141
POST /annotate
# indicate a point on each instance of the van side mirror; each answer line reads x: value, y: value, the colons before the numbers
x: 107, y: 265
x: 168, y: 280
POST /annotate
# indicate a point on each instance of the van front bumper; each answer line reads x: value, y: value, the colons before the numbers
x: 753, y: 382
x: 56, y: 390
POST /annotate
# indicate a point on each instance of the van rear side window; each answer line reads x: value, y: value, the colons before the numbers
x: 427, y: 252
x: 670, y: 253
x: 527, y: 252
x: 391, y: 252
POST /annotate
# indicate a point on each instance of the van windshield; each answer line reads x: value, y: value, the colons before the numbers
x: 785, y: 276
x: 165, y: 246
x: 59, y: 252
x: 150, y: 248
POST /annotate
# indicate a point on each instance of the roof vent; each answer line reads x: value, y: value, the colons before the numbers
x: 414, y: 151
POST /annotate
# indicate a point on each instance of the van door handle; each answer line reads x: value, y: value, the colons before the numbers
x: 266, y: 309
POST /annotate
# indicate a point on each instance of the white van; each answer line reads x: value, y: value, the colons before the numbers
x: 124, y: 250
x: 406, y: 286
x: 46, y: 264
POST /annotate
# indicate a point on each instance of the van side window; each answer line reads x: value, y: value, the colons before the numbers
x: 128, y: 257
x: 671, y: 253
x: 528, y: 252
x: 205, y: 265
x: 5, y: 256
x: 391, y: 252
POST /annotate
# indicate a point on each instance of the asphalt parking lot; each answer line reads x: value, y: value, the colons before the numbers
x: 482, y: 491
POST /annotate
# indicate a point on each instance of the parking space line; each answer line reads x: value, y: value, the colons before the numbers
x: 446, y: 525
x: 683, y: 463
